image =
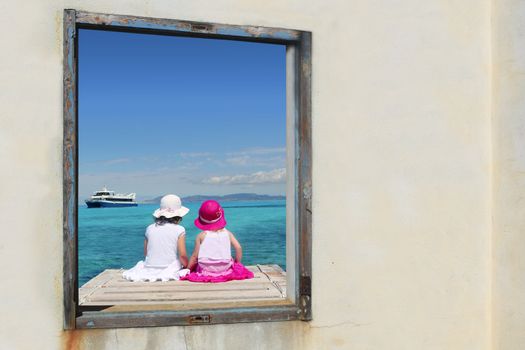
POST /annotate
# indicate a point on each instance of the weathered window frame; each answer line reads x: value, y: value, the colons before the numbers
x: 298, y: 44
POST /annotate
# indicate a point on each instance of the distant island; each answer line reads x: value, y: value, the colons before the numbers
x: 226, y: 198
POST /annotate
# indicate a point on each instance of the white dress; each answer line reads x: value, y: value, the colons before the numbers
x: 162, y: 262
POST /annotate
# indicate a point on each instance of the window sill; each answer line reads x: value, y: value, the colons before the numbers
x: 212, y: 314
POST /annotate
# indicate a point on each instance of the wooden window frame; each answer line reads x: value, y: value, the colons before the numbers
x: 299, y: 68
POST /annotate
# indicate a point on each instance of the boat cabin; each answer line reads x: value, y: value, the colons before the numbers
x: 104, y: 193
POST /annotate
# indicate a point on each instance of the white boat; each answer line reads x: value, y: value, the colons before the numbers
x: 108, y: 199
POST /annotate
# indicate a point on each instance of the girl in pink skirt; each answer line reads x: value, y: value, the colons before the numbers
x: 211, y: 260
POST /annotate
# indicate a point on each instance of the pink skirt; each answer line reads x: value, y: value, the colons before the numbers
x: 236, y: 272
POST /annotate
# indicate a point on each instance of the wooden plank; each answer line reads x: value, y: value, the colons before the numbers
x: 254, y: 268
x: 187, y: 294
x: 143, y: 297
x: 124, y: 283
x: 172, y: 299
x: 69, y: 159
x: 102, y: 278
x: 278, y: 269
x: 304, y: 174
x: 174, y: 26
x: 157, y: 318
x: 94, y: 284
x: 157, y: 301
x: 173, y: 305
x: 266, y: 268
x: 198, y: 306
x: 276, y: 276
x: 178, y: 304
x: 163, y: 287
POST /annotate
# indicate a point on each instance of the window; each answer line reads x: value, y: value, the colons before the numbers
x: 298, y: 225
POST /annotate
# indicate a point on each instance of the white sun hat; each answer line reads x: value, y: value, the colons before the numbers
x: 170, y: 206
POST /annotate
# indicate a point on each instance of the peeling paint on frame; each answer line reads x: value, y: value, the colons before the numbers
x: 179, y: 27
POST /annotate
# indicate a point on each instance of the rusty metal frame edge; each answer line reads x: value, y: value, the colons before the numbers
x: 302, y: 40
x: 69, y: 171
x: 92, y: 320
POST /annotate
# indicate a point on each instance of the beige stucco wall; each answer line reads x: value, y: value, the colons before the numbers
x: 402, y: 176
x: 509, y: 175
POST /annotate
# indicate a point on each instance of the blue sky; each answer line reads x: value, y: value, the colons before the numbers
x: 163, y: 114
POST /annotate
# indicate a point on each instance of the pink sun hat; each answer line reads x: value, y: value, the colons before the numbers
x: 211, y: 216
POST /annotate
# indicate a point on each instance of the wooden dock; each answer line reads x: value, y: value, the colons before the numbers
x: 111, y: 290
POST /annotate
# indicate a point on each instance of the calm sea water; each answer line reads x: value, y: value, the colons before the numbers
x: 114, y: 237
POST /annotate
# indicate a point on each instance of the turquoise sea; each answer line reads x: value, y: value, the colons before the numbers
x: 114, y: 237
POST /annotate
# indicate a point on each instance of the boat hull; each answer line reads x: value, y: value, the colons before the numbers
x: 109, y: 204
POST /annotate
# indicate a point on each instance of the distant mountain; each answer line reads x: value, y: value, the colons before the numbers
x: 226, y: 198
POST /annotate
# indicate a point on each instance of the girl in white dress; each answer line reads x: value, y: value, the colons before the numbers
x: 164, y: 245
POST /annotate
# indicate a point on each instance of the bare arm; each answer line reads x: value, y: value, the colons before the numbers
x: 195, y: 255
x: 181, y: 248
x: 237, y: 246
x: 145, y: 247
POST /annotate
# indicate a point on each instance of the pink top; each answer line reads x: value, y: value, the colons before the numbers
x: 215, y: 263
x: 215, y: 256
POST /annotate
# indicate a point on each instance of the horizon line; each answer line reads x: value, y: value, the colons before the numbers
x: 150, y: 197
